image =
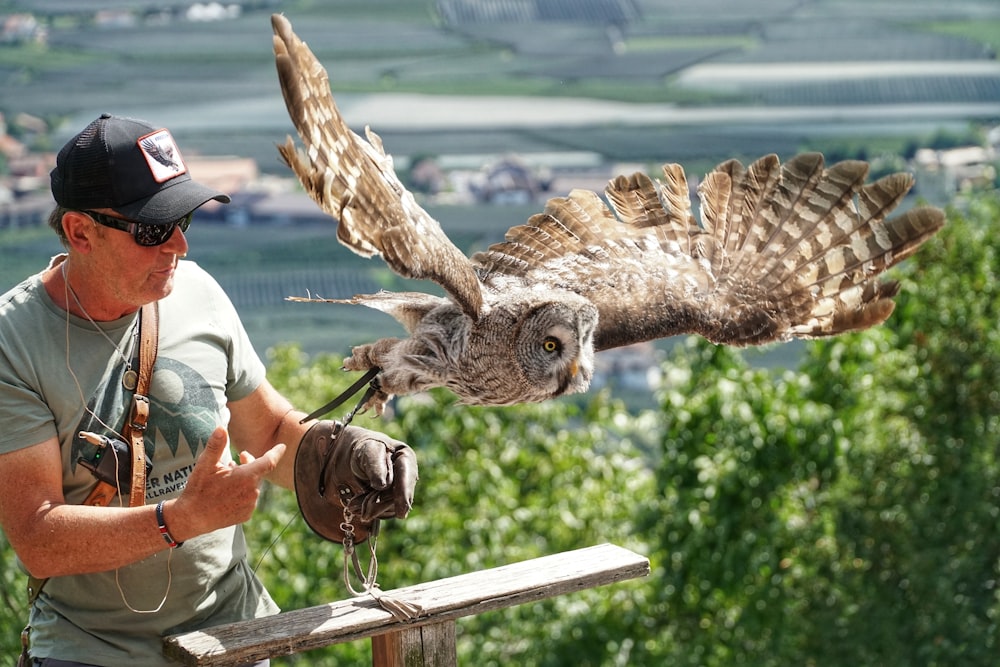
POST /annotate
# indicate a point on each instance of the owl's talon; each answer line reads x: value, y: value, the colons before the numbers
x: 379, y: 399
x: 373, y: 397
x: 361, y: 359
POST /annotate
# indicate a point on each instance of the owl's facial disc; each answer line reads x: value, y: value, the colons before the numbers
x: 557, y: 355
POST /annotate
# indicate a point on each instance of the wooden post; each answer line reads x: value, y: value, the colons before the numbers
x: 423, y: 646
x: 425, y: 641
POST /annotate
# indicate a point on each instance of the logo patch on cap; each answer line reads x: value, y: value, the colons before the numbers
x: 162, y: 155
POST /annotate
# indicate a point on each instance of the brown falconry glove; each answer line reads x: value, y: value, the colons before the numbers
x: 369, y: 473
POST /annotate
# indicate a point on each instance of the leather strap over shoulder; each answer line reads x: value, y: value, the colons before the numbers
x: 135, y: 427
x: 149, y: 341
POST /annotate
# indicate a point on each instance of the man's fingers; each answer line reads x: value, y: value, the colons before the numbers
x: 266, y: 463
x: 377, y: 505
x: 215, y: 447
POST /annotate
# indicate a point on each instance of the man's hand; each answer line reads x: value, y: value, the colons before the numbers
x: 219, y: 492
x: 338, y: 467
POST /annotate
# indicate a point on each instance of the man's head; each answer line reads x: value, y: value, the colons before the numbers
x: 130, y: 167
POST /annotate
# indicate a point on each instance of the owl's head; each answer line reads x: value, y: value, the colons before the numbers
x: 554, y: 346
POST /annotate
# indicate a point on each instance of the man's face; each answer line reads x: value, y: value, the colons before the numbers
x: 136, y: 274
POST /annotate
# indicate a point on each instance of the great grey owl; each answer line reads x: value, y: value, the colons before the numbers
x: 782, y: 251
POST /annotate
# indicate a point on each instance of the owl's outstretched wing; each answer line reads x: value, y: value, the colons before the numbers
x: 783, y: 251
x: 354, y: 181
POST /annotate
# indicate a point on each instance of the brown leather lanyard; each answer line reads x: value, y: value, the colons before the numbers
x: 135, y: 427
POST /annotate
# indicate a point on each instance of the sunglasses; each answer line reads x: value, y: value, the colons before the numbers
x: 144, y: 233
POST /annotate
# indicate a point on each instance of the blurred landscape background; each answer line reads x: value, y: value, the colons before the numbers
x: 482, y: 103
x: 488, y: 107
x: 627, y: 80
x: 831, y: 504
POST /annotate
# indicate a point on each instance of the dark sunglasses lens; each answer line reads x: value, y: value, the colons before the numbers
x: 150, y: 235
x: 147, y: 235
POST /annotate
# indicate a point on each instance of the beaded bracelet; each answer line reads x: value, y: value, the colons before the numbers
x: 163, y: 528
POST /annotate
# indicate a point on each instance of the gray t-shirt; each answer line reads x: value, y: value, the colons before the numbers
x: 51, y: 365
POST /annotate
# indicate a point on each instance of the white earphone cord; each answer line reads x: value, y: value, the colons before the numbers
x: 83, y: 401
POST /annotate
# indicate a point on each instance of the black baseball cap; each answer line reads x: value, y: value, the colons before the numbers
x: 131, y: 167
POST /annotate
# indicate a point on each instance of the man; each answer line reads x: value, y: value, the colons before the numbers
x: 121, y: 576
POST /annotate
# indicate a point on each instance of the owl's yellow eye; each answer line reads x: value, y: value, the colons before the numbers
x: 551, y: 344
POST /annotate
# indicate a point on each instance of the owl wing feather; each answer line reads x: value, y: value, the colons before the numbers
x: 783, y: 251
x: 354, y: 181
x: 407, y: 308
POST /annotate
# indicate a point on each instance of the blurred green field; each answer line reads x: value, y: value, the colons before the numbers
x: 279, y: 254
x: 261, y: 265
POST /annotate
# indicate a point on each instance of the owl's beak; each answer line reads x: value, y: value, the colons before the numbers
x: 574, y: 368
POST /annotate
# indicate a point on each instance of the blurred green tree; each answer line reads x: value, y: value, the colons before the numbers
x: 846, y: 512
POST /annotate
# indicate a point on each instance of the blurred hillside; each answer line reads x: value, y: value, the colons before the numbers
x: 626, y: 80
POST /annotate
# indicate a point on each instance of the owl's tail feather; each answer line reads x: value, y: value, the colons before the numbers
x: 783, y: 251
x: 805, y: 243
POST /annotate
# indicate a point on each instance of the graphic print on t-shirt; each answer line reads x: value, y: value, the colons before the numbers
x: 183, y: 413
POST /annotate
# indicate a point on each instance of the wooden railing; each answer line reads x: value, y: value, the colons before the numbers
x: 428, y: 640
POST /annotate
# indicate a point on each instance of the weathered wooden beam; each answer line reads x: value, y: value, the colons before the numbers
x: 441, y: 601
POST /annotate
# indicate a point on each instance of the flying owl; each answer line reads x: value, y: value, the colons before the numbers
x: 781, y: 252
